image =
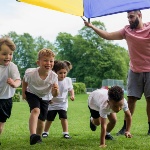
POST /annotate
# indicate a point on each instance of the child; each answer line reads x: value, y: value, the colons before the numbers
x: 39, y: 86
x: 106, y: 103
x: 9, y: 79
x: 59, y: 104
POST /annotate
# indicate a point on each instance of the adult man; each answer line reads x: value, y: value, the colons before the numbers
x: 138, y: 40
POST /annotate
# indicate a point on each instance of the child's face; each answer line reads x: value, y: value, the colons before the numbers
x: 6, y: 55
x: 116, y: 106
x: 46, y: 63
x: 61, y: 74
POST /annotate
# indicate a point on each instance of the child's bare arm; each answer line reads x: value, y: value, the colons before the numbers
x: 24, y: 87
x: 103, y: 131
x: 72, y: 94
x: 128, y: 122
x: 55, y: 90
x: 14, y: 83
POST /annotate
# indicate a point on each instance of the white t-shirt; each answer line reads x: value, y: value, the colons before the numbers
x: 36, y: 85
x: 61, y: 101
x: 10, y: 71
x: 98, y: 100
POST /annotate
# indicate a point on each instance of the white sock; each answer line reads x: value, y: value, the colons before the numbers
x: 107, y: 133
x: 46, y: 132
x: 65, y: 133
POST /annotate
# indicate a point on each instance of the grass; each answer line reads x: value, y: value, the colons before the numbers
x: 16, y: 132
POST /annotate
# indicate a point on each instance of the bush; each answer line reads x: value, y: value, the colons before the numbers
x: 79, y: 88
x: 16, y: 98
x: 19, y: 91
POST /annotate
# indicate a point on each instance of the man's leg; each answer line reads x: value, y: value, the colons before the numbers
x: 148, y: 113
x: 131, y: 104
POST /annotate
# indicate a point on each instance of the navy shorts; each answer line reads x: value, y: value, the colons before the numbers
x: 95, y: 114
x: 52, y: 114
x: 36, y: 102
x: 5, y: 109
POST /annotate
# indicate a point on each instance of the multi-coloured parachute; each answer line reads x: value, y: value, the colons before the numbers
x: 91, y: 8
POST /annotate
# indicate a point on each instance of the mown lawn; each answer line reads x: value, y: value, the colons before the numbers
x: 16, y: 132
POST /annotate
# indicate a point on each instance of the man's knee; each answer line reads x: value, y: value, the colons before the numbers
x: 132, y: 100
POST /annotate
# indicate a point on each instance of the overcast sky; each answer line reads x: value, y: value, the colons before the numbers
x: 37, y: 21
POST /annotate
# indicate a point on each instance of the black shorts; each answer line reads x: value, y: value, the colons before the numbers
x: 95, y: 114
x: 5, y: 109
x: 52, y: 114
x: 36, y: 102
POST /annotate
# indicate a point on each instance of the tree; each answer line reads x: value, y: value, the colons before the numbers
x: 93, y: 58
x: 25, y: 55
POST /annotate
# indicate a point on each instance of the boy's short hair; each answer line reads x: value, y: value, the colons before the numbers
x: 45, y: 52
x: 115, y: 93
x: 7, y: 41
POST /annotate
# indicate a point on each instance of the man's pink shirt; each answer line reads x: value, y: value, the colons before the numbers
x: 138, y: 41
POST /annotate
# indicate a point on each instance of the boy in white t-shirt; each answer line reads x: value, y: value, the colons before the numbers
x: 39, y: 86
x: 59, y: 104
x: 9, y: 79
x: 105, y: 104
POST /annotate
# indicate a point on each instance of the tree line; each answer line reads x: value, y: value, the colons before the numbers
x: 92, y: 57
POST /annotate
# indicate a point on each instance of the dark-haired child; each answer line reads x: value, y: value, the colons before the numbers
x: 105, y: 104
x: 59, y: 104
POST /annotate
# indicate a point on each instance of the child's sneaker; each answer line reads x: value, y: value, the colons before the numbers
x: 44, y: 135
x: 121, y: 132
x: 34, y: 138
x: 109, y: 137
x: 148, y: 132
x: 66, y: 136
x: 92, y: 126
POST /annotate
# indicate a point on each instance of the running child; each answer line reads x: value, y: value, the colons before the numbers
x: 9, y: 79
x: 39, y: 86
x: 59, y: 104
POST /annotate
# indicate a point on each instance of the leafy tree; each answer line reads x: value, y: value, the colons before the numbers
x: 93, y: 58
x: 25, y: 55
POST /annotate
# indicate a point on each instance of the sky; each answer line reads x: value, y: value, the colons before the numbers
x: 37, y: 21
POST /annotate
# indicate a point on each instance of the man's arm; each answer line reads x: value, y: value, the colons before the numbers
x: 128, y: 123
x: 104, y: 34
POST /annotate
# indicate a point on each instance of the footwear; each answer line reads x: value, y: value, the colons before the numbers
x: 44, y: 135
x: 66, y: 136
x: 109, y: 137
x: 121, y: 132
x: 39, y: 141
x: 34, y: 138
x: 92, y: 126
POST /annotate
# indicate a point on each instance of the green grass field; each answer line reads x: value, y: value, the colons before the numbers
x: 16, y: 132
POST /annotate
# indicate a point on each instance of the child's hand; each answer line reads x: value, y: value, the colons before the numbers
x: 128, y: 134
x: 103, y: 146
x: 72, y: 98
x: 55, y: 90
x: 55, y: 86
x: 11, y: 82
